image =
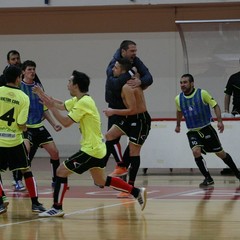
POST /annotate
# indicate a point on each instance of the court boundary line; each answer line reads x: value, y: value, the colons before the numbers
x: 105, y: 207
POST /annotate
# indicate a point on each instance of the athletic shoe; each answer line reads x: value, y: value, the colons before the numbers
x: 124, y: 195
x: 142, y: 197
x: 206, y: 182
x: 2, y: 209
x: 119, y: 171
x: 5, y: 201
x: 38, y: 208
x: 52, y: 212
x: 19, y: 186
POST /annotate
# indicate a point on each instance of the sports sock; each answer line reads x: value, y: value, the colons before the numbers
x: 59, y: 192
x: 3, y: 193
x: 54, y: 164
x: 114, y: 148
x: 17, y: 175
x: 202, y: 167
x: 228, y: 161
x: 135, y: 163
x: 30, y: 184
x: 118, y: 184
x: 125, y: 160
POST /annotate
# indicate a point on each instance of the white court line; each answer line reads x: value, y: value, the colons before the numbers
x: 97, y: 208
x: 69, y: 214
x: 174, y: 194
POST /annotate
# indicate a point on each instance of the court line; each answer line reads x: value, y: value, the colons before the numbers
x: 174, y: 194
x: 103, y: 207
x: 68, y: 214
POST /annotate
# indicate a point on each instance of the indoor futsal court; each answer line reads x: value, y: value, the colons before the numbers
x: 176, y: 208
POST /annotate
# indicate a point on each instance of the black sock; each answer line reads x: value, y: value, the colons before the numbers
x: 202, y: 167
x: 126, y: 161
x: 135, y: 192
x: 228, y: 161
x: 111, y: 150
x: 56, y: 195
x: 135, y: 164
x: 55, y: 164
x: 17, y: 175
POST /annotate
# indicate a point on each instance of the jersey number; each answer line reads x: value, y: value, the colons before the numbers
x: 8, y: 117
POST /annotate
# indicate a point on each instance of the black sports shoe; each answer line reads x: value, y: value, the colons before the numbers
x: 3, y: 209
x: 206, y: 182
x: 227, y: 172
x: 38, y: 208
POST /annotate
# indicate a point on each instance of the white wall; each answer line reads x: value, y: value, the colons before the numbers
x: 171, y: 149
x: 58, y: 55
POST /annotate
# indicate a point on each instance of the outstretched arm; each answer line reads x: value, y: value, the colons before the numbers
x: 50, y: 103
x: 57, y: 103
x: 50, y: 119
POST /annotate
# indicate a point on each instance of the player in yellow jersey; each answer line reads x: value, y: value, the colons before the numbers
x: 14, y: 109
x: 82, y: 110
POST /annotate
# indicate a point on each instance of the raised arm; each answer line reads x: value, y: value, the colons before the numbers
x: 57, y: 103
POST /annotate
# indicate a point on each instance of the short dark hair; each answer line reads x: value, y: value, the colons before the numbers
x: 125, y: 64
x: 82, y: 80
x: 11, y: 74
x: 189, y: 76
x: 28, y: 63
x: 125, y: 44
x: 12, y: 52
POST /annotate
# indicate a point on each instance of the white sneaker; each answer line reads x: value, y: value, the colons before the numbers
x: 124, y: 195
x: 19, y: 186
x: 142, y: 197
x: 52, y: 212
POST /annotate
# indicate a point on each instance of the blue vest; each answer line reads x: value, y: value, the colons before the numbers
x: 36, y: 110
x: 197, y: 114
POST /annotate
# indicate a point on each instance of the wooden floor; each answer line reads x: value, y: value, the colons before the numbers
x: 176, y: 209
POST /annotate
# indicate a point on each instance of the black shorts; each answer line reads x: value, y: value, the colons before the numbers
x: 38, y: 136
x: 114, y: 119
x: 80, y: 162
x: 136, y: 127
x: 206, y: 138
x: 14, y: 158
